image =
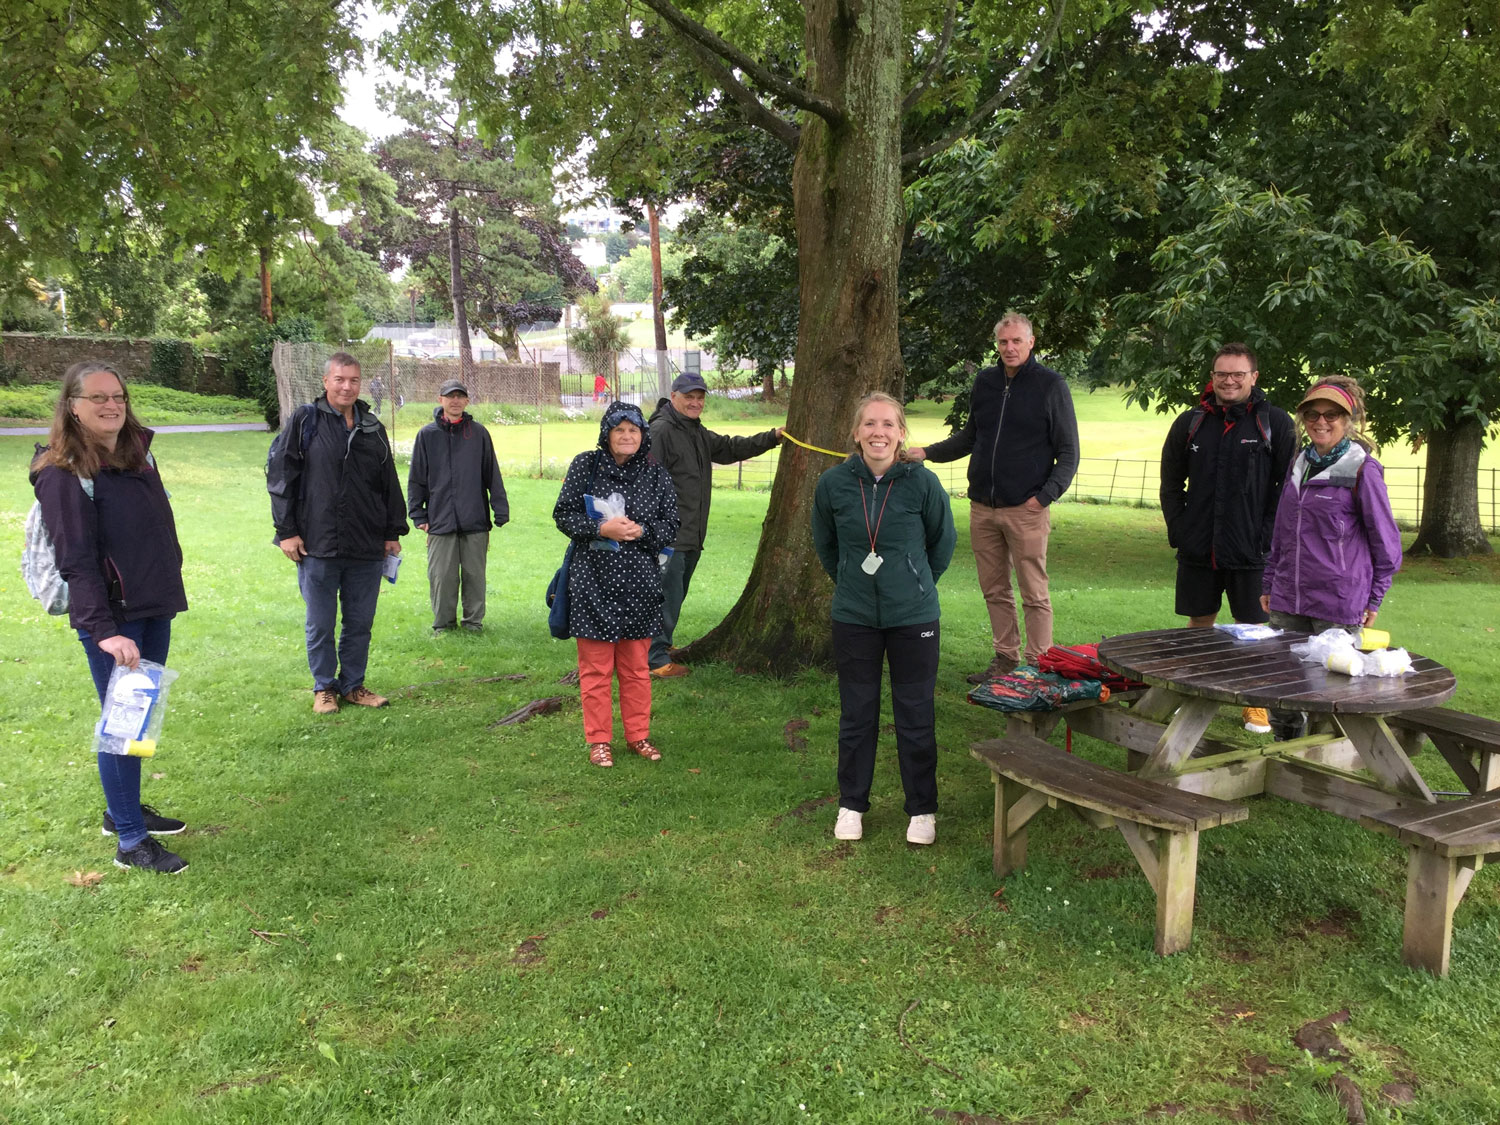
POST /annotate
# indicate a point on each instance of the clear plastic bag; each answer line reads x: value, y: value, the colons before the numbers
x: 1242, y: 632
x: 604, y: 508
x: 1315, y: 649
x: 135, y: 702
x: 1388, y: 662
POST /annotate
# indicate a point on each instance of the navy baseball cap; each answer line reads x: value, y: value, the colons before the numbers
x: 689, y: 381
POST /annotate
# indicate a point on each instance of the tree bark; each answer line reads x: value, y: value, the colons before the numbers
x: 658, y: 320
x: 767, y: 382
x: 265, y: 284
x: 849, y: 211
x: 460, y: 296
x: 1451, y: 526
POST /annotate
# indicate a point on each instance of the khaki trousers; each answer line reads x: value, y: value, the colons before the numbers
x: 1003, y: 538
x: 448, y: 557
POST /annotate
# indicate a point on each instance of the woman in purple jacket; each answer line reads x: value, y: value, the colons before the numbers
x: 116, y: 545
x: 1335, y: 546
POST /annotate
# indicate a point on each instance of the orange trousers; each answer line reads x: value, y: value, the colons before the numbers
x: 598, y: 663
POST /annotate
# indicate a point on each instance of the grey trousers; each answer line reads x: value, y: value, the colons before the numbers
x: 453, y: 560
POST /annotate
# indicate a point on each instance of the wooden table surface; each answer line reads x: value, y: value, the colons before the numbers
x: 1212, y: 664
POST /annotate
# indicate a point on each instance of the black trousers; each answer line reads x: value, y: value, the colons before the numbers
x: 912, y: 653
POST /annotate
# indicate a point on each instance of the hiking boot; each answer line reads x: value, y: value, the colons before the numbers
x: 325, y: 702
x: 922, y: 829
x: 364, y: 697
x: 850, y: 826
x: 156, y: 824
x: 1257, y: 721
x: 473, y: 627
x: 668, y: 671
x: 999, y: 666
x: 150, y: 856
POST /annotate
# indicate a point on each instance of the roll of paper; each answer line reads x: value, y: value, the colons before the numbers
x: 1370, y: 639
x: 1345, y: 660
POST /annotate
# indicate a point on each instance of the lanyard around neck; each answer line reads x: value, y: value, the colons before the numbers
x: 874, y: 535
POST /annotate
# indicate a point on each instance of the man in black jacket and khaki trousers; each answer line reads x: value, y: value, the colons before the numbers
x: 1021, y: 439
x: 452, y: 489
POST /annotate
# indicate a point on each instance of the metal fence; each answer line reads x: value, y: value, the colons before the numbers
x: 1102, y: 480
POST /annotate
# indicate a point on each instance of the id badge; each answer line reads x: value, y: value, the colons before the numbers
x: 872, y: 563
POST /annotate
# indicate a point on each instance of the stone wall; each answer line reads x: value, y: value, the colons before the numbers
x: 43, y: 359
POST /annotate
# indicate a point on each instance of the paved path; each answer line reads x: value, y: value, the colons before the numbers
x: 216, y: 428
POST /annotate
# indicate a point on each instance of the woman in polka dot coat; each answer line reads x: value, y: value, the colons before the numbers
x: 614, y: 582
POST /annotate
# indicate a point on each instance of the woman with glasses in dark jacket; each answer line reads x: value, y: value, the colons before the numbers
x: 115, y: 540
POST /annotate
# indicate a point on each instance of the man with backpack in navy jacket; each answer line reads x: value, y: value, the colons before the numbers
x: 1222, y: 468
x: 336, y: 503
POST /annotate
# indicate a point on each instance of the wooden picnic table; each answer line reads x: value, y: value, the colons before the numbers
x: 1352, y: 764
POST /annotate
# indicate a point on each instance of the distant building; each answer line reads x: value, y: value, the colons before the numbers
x: 591, y: 252
x: 596, y: 220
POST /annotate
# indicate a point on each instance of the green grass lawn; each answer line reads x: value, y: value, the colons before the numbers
x: 416, y: 915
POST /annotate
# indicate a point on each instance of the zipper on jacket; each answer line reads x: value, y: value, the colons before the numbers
x: 995, y: 448
x: 119, y: 581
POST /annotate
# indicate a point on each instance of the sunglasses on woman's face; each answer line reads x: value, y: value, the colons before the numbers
x: 1326, y: 415
x: 100, y: 400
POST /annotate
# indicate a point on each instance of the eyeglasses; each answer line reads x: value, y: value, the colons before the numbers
x: 1326, y: 415
x: 100, y: 400
x: 1233, y: 374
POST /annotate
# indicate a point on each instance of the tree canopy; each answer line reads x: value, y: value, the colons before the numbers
x: 125, y: 111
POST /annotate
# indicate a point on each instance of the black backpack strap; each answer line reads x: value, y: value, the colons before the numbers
x: 1198, y: 415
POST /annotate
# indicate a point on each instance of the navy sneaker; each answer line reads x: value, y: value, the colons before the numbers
x: 156, y: 824
x: 151, y: 856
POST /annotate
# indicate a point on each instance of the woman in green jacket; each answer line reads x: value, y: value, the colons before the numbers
x: 883, y: 529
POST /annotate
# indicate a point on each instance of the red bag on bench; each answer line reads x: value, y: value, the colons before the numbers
x: 1081, y: 662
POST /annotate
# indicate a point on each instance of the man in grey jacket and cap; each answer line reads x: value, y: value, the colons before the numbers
x: 689, y: 451
x: 453, y: 487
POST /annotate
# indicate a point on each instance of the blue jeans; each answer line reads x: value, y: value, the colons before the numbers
x: 675, y: 580
x: 330, y: 587
x: 120, y: 775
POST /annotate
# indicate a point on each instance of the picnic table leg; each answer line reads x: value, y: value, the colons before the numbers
x: 1177, y: 862
x: 1182, y: 735
x: 1169, y: 861
x: 1015, y: 805
x: 1434, y: 886
x: 1383, y: 755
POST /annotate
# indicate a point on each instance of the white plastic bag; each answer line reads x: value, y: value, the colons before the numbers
x: 135, y: 702
x: 1349, y: 661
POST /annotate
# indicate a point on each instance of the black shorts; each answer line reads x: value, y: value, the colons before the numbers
x: 1200, y: 591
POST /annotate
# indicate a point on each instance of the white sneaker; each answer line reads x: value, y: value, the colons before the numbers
x: 922, y: 829
x: 851, y: 825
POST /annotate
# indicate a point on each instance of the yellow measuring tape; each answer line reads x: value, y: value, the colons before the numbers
x: 814, y: 448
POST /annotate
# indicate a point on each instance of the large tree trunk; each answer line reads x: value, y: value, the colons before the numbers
x: 460, y: 296
x: 1450, y: 496
x: 847, y: 190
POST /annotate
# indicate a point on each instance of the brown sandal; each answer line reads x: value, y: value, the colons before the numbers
x: 600, y: 754
x: 644, y: 748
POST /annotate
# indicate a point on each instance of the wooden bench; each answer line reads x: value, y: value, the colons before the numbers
x: 1469, y: 743
x: 1448, y: 843
x: 1160, y: 823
